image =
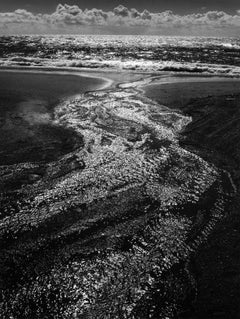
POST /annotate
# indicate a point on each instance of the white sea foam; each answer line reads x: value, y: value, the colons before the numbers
x: 140, y: 53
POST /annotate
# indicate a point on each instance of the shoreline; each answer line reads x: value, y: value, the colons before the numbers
x: 141, y: 84
x: 86, y: 71
x: 213, y: 135
x: 104, y: 86
x: 77, y: 166
x: 28, y: 99
x: 116, y: 78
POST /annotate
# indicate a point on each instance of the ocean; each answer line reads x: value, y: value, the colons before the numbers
x: 149, y: 53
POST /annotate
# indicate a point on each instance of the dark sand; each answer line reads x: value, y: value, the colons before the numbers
x: 178, y: 91
x: 214, y: 134
x: 27, y: 100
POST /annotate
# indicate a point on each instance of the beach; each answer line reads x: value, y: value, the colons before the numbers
x: 132, y: 183
x: 214, y: 105
x: 27, y: 102
x: 177, y: 91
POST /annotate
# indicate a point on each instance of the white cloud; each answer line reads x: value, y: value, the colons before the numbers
x: 68, y: 18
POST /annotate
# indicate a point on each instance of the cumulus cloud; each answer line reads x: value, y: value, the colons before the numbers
x: 67, y: 18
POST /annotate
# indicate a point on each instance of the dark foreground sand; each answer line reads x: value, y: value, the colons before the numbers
x: 214, y: 134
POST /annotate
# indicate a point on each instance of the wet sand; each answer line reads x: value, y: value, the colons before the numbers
x: 27, y: 101
x: 214, y: 134
x: 17, y: 86
x: 28, y: 97
x: 73, y: 219
x: 176, y: 92
x: 206, y: 100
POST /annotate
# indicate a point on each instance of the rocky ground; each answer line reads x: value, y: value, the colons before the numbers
x: 110, y: 229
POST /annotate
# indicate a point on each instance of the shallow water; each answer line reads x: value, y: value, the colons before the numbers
x: 27, y: 100
x: 21, y: 86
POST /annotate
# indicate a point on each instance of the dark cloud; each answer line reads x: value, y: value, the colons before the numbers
x: 121, y: 16
x: 121, y: 11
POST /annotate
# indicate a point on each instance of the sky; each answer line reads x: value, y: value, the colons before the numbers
x: 163, y: 17
x: 178, y: 6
